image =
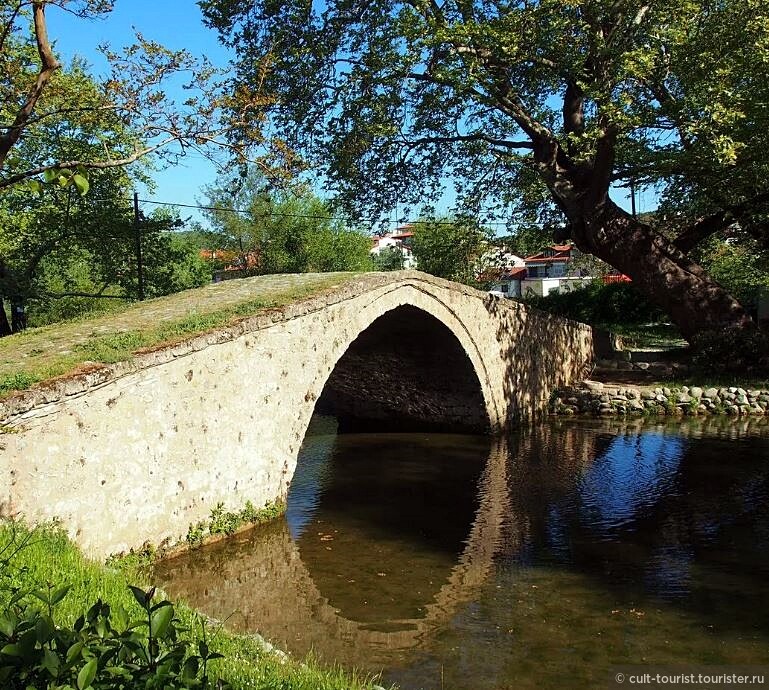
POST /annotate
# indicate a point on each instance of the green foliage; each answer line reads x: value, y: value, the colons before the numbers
x: 384, y: 128
x: 18, y: 381
x: 449, y: 249
x: 740, y: 266
x: 388, y: 259
x: 527, y: 240
x: 106, y: 648
x: 337, y: 249
x: 597, y: 304
x: 223, y: 522
x: 729, y: 350
x: 282, y: 232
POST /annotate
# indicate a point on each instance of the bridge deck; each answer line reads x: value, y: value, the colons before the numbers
x: 43, y: 353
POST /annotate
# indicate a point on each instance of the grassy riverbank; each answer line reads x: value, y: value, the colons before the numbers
x: 47, y: 556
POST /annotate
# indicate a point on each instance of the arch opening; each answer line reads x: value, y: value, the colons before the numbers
x: 406, y: 372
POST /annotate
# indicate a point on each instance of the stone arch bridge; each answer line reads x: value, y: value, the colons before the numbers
x: 139, y: 451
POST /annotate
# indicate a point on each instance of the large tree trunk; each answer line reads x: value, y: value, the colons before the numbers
x: 5, y: 327
x: 696, y: 303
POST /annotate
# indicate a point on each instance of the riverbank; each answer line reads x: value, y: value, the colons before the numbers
x: 47, y: 556
x: 606, y: 399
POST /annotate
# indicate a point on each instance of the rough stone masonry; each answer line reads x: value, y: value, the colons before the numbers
x: 140, y: 450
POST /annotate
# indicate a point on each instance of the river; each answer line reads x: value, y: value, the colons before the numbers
x: 534, y: 561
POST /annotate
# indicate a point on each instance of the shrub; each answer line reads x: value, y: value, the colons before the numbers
x: 596, y: 303
x: 732, y: 350
x: 105, y: 649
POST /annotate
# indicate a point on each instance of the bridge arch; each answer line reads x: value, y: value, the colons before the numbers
x: 350, y: 349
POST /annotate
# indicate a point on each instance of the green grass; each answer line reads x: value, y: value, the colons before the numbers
x: 49, y: 556
x: 647, y: 336
x: 40, y: 354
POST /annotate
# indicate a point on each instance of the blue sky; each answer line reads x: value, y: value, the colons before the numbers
x: 176, y: 24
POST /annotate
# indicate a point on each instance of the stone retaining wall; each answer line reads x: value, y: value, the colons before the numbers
x: 598, y: 399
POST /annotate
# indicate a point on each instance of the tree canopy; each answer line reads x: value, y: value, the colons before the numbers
x: 282, y: 231
x: 134, y: 95
x: 452, y: 249
x: 532, y: 103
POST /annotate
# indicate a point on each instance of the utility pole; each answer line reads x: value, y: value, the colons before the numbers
x: 138, y: 238
x: 632, y: 198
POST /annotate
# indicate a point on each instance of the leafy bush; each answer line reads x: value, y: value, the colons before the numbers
x: 228, y: 522
x: 105, y: 649
x: 596, y: 303
x: 732, y: 351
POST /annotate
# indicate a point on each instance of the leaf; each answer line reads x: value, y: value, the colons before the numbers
x: 139, y: 595
x: 161, y: 619
x: 74, y: 652
x: 86, y: 675
x: 51, y: 662
x: 43, y: 629
x: 6, y: 626
x: 190, y: 669
x: 50, y: 175
x: 81, y: 183
x: 59, y: 594
x: 12, y: 650
x: 41, y: 595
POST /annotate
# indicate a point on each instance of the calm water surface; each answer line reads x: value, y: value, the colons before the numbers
x: 539, y: 561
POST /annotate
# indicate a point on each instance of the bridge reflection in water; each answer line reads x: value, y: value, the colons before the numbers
x: 518, y: 551
x: 383, y: 580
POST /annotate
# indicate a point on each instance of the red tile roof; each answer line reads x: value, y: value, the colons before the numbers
x: 536, y: 259
x: 515, y: 273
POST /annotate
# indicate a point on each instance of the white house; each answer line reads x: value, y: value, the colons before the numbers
x: 542, y: 273
x: 400, y: 239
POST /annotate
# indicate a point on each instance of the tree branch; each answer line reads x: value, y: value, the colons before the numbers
x: 48, y: 65
x: 689, y: 238
x: 9, y: 26
x: 478, y: 136
x: 573, y: 108
x: 703, y: 228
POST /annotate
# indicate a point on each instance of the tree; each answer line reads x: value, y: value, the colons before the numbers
x: 289, y: 231
x: 134, y: 94
x: 62, y: 254
x: 62, y: 131
x: 388, y: 98
x: 450, y: 249
x: 388, y: 259
x: 57, y: 242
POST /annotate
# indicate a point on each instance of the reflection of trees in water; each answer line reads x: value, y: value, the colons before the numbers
x: 679, y: 512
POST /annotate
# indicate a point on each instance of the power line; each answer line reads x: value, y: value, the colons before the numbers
x: 275, y: 214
